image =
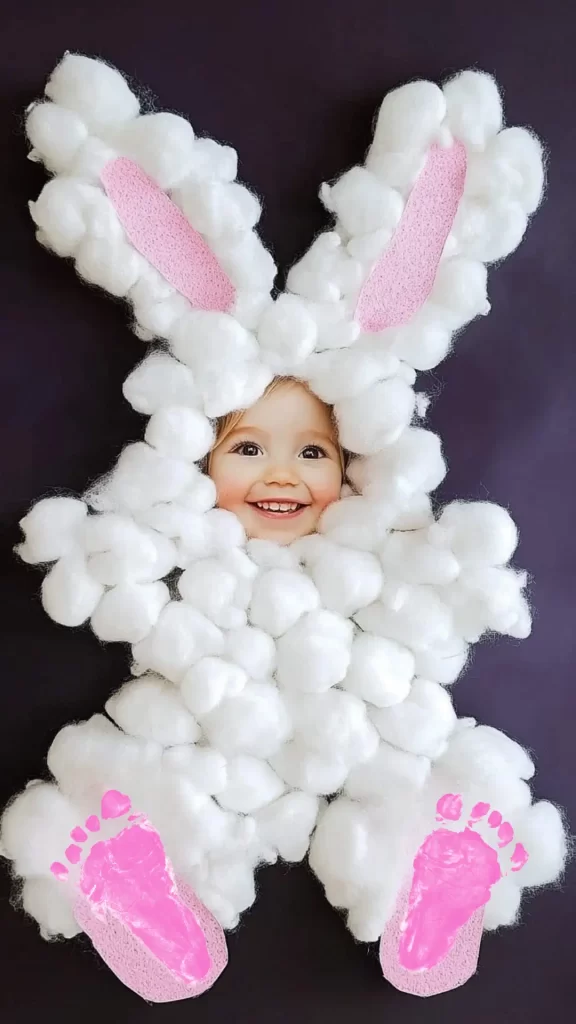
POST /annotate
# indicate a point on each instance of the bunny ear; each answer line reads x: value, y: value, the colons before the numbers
x: 160, y: 232
x: 403, y: 277
x: 147, y: 211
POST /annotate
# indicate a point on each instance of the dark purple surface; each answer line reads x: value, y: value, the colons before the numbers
x: 294, y: 87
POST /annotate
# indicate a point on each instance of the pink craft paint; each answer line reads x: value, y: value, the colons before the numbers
x: 404, y: 275
x: 159, y: 231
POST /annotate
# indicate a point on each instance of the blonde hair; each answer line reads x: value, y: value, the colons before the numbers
x: 227, y: 423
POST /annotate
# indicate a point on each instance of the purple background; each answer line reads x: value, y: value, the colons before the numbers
x: 294, y: 87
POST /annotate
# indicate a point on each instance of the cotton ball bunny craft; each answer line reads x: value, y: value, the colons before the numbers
x: 289, y: 691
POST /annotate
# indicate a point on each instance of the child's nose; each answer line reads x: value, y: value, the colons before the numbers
x: 282, y: 474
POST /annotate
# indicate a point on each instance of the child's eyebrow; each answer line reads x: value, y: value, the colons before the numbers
x: 247, y: 428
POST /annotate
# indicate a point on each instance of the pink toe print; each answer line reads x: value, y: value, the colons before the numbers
x: 152, y: 931
x: 431, y: 944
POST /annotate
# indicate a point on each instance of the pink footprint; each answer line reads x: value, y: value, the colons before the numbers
x: 153, y: 932
x: 431, y: 943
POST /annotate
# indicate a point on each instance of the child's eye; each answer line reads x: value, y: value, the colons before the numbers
x: 247, y: 448
x: 313, y: 451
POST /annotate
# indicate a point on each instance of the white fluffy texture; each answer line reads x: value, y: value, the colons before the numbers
x: 269, y: 677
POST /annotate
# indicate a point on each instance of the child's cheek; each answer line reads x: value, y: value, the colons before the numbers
x: 233, y: 480
x: 326, y: 484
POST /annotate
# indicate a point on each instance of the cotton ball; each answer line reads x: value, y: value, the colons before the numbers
x: 217, y: 208
x: 375, y: 417
x: 315, y: 653
x: 254, y: 722
x: 235, y: 880
x: 204, y: 767
x: 212, y: 160
x: 211, y: 588
x: 488, y: 231
x: 460, y: 286
x: 390, y: 774
x: 189, y: 528
x: 484, y: 754
x: 180, y: 432
x: 226, y: 530
x: 287, y: 332
x: 207, y: 683
x: 56, y: 134
x: 280, y: 598
x: 334, y: 723
x: 205, y: 340
x: 380, y: 670
x: 370, y: 914
x: 412, y: 615
x: 162, y: 144
x: 180, y: 637
x: 96, y: 91
x: 347, y: 580
x: 141, y: 478
x: 59, y: 213
x: 121, y: 551
x: 110, y: 265
x: 541, y: 831
x: 200, y: 496
x: 503, y: 907
x: 251, y: 785
x: 356, y: 522
x: 35, y: 828
x: 478, y: 533
x: 249, y: 266
x: 362, y: 203
x: 408, y: 557
x: 152, y: 708
x: 51, y: 529
x: 69, y: 592
x: 253, y: 650
x: 286, y: 824
x: 518, y: 154
x: 128, y: 611
x: 309, y: 770
x: 343, y: 373
x: 422, y: 723
x: 340, y: 841
x: 473, y: 107
x: 227, y: 387
x: 420, y: 343
x: 45, y: 901
x: 412, y: 465
x: 415, y: 514
x: 489, y: 598
x: 408, y: 118
x: 444, y: 662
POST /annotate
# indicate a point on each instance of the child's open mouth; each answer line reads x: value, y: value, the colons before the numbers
x: 278, y: 509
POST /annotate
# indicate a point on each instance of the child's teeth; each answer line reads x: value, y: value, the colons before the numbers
x: 276, y: 506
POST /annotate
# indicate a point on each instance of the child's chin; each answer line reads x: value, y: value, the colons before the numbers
x: 280, y: 533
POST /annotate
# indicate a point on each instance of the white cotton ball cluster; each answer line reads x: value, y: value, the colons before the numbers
x: 346, y: 580
x: 473, y: 107
x: 128, y: 611
x: 94, y: 90
x: 252, y: 784
x: 422, y: 723
x: 375, y: 418
x: 70, y: 593
x: 312, y: 771
x: 52, y: 528
x: 391, y: 774
x: 152, y: 708
x: 415, y: 616
x: 314, y: 654
x: 216, y: 208
x: 362, y: 203
x: 180, y: 637
x: 409, y: 557
x: 280, y: 598
x: 326, y: 271
x: 220, y: 588
x: 161, y: 143
x: 56, y: 135
x: 402, y: 470
x: 253, y: 650
x: 380, y: 670
x: 343, y: 373
x: 47, y: 901
x: 460, y: 287
x: 477, y: 533
x: 180, y: 432
x: 204, y: 767
x: 357, y: 522
x: 209, y: 681
x: 335, y: 724
x: 119, y: 550
x: 408, y: 119
x: 287, y: 333
x: 35, y: 828
x: 509, y: 169
x: 160, y: 381
x: 286, y: 824
x: 141, y: 478
x: 256, y: 721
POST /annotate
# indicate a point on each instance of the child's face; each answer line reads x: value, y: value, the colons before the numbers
x: 280, y: 466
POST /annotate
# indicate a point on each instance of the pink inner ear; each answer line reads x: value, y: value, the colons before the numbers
x: 161, y: 233
x: 404, y: 275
